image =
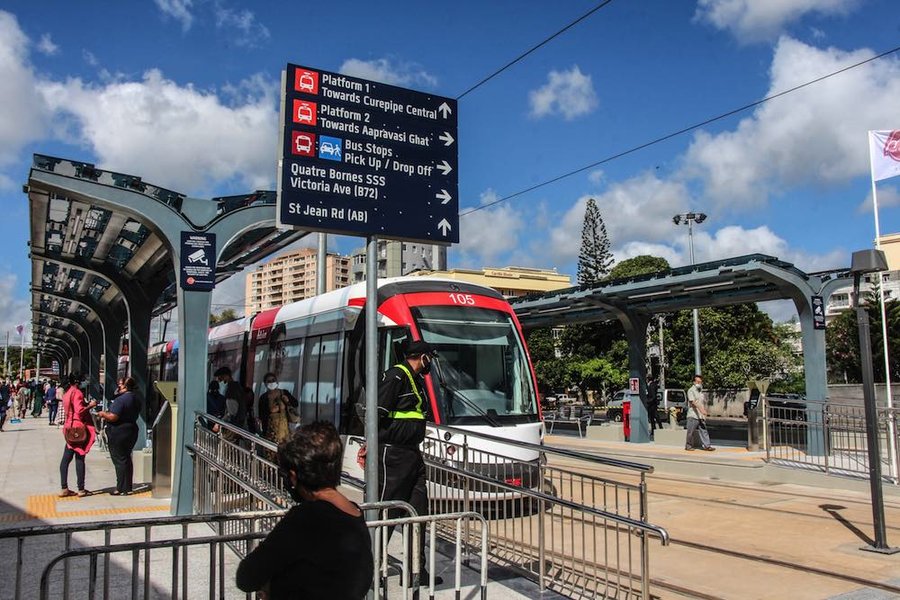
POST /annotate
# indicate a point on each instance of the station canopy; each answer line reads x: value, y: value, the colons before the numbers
x: 79, y: 249
x: 750, y: 278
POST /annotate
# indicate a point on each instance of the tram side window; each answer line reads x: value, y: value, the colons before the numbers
x: 310, y: 388
x: 394, y: 341
x: 320, y: 390
x: 282, y: 359
x: 329, y: 360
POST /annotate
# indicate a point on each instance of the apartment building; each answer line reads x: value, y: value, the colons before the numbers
x: 291, y: 277
x: 841, y: 299
x: 396, y: 259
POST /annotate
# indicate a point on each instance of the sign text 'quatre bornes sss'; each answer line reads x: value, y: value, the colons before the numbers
x: 365, y: 158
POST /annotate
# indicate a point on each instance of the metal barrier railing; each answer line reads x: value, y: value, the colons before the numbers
x: 576, y: 524
x: 234, y: 472
x: 47, y: 545
x: 830, y: 438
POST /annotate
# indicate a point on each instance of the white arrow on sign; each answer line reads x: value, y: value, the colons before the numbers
x: 444, y: 196
x: 444, y: 226
x: 444, y: 167
x: 444, y: 109
x: 446, y: 138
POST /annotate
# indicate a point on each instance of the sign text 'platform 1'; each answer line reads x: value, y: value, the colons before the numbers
x: 365, y: 158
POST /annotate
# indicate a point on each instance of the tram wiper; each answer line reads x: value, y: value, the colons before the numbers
x: 468, y: 402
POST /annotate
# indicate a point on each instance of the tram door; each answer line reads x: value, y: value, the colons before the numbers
x: 321, y: 388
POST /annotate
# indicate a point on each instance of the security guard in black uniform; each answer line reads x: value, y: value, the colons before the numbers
x: 402, y: 405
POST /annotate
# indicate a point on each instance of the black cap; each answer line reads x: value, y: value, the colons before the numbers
x: 418, y: 348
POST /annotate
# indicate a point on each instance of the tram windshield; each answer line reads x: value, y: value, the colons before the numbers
x: 481, y: 373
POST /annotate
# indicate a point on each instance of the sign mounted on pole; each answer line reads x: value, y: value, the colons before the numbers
x: 365, y: 158
x: 818, y: 307
x: 198, y: 261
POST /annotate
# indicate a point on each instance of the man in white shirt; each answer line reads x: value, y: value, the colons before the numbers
x: 696, y: 417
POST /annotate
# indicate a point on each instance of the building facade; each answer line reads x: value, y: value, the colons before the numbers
x: 291, y: 277
x: 841, y: 299
x: 396, y: 259
x: 509, y: 281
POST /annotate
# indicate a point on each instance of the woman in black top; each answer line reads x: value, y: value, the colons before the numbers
x: 321, y: 548
x: 122, y: 432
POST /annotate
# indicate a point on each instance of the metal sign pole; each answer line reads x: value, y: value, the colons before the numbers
x: 372, y: 450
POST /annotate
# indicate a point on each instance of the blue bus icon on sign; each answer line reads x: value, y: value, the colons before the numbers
x: 331, y: 148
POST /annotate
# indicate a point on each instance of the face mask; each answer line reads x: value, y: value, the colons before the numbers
x: 699, y: 386
x: 223, y: 386
x: 290, y: 487
x: 84, y: 384
x: 272, y: 386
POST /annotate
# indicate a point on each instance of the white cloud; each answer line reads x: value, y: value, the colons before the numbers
x: 157, y: 128
x: 887, y: 196
x: 24, y: 115
x: 815, y: 136
x: 490, y: 234
x: 180, y: 10
x: 46, y: 46
x: 597, y: 176
x: 250, y: 32
x: 567, y: 93
x: 757, y: 20
x: 89, y: 58
x: 637, y: 209
x: 388, y: 71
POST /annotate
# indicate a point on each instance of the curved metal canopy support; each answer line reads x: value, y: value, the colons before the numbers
x: 95, y: 347
x: 194, y: 215
x: 112, y: 320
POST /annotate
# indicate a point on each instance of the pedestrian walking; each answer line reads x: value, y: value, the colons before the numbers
x: 321, y: 548
x: 52, y: 402
x: 401, y: 429
x: 79, y: 434
x: 3, y: 408
x: 696, y: 417
x: 37, y: 402
x: 277, y: 411
x: 653, y: 399
x: 233, y: 392
x: 122, y: 433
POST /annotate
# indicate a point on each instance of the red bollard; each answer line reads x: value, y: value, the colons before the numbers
x: 626, y: 419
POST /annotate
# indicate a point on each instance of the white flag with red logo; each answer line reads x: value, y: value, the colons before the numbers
x: 884, y: 150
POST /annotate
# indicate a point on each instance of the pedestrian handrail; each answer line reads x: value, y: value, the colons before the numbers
x: 575, y: 522
x: 216, y: 583
x: 830, y: 437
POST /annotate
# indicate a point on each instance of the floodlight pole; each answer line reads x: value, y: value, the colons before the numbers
x: 689, y: 219
x: 880, y: 544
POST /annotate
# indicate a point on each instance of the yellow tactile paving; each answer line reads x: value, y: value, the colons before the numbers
x: 44, y: 506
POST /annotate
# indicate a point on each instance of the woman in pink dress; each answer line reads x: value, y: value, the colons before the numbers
x: 77, y: 413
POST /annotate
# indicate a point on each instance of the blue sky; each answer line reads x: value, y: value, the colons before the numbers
x: 185, y: 94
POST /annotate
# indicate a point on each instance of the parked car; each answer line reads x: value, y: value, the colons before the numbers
x: 668, y: 398
x: 787, y: 407
x: 616, y: 406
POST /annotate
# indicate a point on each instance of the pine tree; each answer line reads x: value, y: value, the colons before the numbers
x: 595, y: 259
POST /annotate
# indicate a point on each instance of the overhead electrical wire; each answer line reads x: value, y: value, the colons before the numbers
x: 673, y: 134
x: 535, y: 47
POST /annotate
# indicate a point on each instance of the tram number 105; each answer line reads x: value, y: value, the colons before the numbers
x: 466, y: 299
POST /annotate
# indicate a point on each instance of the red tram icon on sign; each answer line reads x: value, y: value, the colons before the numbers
x: 305, y: 112
x: 306, y: 81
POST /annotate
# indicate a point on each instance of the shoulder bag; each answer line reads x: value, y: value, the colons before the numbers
x: 75, y: 433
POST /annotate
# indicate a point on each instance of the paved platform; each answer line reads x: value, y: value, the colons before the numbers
x: 741, y: 528
x: 29, y: 485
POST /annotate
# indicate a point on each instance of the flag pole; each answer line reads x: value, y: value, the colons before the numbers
x: 892, y: 438
x: 22, y: 354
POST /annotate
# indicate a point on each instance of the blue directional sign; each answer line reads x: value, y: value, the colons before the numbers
x: 365, y: 158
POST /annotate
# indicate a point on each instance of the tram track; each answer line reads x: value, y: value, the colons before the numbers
x: 861, y: 581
